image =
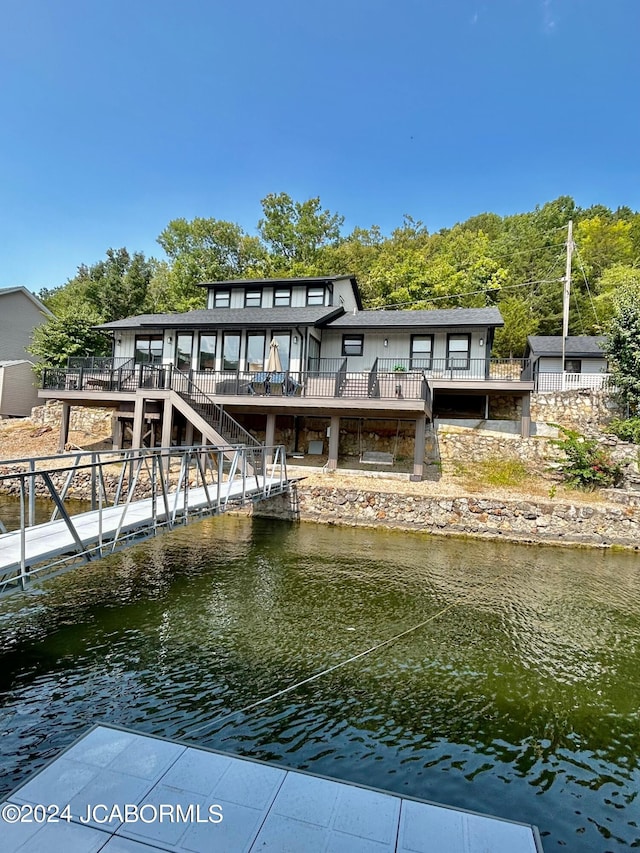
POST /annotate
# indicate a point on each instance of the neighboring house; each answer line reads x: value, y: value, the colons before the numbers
x: 296, y: 361
x: 18, y: 388
x: 20, y: 313
x: 585, y: 363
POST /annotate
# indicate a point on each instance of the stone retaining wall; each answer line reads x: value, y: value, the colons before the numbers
x: 83, y: 419
x: 532, y: 521
x: 587, y: 411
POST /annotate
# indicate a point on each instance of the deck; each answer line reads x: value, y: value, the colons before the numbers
x: 213, y: 801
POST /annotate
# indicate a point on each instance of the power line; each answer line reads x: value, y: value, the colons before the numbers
x: 584, y: 276
x: 465, y: 294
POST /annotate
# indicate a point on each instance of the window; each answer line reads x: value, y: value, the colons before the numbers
x: 231, y: 351
x: 221, y: 298
x: 255, y: 350
x: 573, y: 365
x: 352, y: 344
x: 184, y: 349
x: 421, y: 352
x: 207, y: 354
x: 282, y: 297
x: 458, y: 347
x: 253, y: 299
x: 315, y: 295
x: 148, y: 349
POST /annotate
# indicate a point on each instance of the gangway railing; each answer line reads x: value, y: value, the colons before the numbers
x: 130, y: 495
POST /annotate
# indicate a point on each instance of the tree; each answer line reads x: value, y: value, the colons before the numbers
x: 70, y: 334
x: 296, y: 232
x: 519, y: 322
x: 114, y: 288
x: 207, y: 250
x: 623, y: 345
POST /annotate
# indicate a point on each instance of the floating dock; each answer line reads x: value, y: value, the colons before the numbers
x: 118, y: 791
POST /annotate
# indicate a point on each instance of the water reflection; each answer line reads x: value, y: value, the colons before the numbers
x: 519, y: 697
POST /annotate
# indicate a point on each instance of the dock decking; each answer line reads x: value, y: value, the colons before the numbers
x: 263, y: 807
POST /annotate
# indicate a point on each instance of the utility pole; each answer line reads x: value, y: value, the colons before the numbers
x: 566, y: 296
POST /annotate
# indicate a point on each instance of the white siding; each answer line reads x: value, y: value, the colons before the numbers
x: 18, y: 318
x: 398, y: 344
x: 546, y: 364
x: 18, y: 392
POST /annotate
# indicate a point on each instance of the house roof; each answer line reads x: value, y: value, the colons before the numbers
x: 582, y: 346
x: 40, y: 305
x: 420, y: 319
x: 287, y: 282
x: 230, y: 318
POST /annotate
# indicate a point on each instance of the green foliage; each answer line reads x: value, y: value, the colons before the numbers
x: 206, y: 250
x: 586, y: 465
x: 296, y: 232
x: 623, y: 345
x: 503, y: 472
x: 515, y: 262
x: 627, y: 429
x: 112, y: 288
x: 519, y: 323
x: 70, y: 334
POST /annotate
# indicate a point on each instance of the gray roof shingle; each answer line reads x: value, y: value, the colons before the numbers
x: 413, y: 319
x: 229, y: 318
x: 576, y: 345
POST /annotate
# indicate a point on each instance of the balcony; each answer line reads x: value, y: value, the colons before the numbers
x: 388, y: 379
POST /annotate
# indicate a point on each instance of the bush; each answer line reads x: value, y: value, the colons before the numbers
x: 586, y: 465
x: 627, y: 430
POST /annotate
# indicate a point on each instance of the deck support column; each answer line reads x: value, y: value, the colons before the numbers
x: 525, y: 430
x: 118, y: 433
x: 167, y: 423
x: 188, y: 434
x: 418, y: 451
x: 138, y: 423
x: 64, y: 426
x: 334, y: 443
x: 270, y: 436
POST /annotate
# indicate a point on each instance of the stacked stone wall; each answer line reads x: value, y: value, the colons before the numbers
x: 531, y: 521
x: 82, y: 419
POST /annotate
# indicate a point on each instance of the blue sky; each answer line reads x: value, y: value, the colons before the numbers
x: 117, y: 117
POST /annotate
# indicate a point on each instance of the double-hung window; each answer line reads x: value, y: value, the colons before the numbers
x: 253, y: 299
x: 315, y: 295
x: 282, y: 297
x: 222, y: 299
x: 458, y: 352
x: 352, y: 345
x: 421, y: 352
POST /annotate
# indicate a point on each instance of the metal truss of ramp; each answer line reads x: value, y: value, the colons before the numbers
x: 134, y: 494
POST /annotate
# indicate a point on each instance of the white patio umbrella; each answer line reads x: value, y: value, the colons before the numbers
x: 274, y: 365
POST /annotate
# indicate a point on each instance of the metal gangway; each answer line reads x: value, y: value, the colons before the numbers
x: 129, y: 495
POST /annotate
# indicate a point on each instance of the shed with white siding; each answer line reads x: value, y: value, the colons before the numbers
x: 18, y: 388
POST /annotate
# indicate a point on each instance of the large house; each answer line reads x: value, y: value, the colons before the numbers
x: 20, y: 313
x: 297, y: 362
x: 585, y: 363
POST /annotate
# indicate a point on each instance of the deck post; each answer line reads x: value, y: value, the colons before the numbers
x: 270, y: 436
x: 167, y: 423
x: 418, y: 452
x: 64, y: 426
x: 525, y: 430
x: 334, y: 442
x: 138, y: 422
x: 188, y: 434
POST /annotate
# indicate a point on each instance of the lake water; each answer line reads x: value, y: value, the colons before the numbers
x: 519, y: 697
